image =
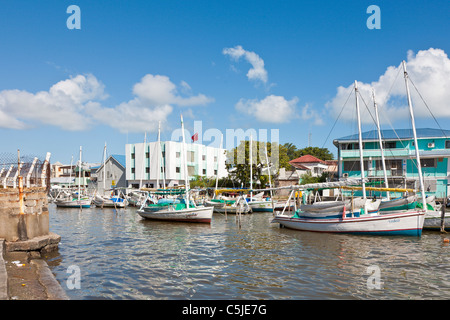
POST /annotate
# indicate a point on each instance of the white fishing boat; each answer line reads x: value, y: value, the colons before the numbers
x: 136, y: 197
x: 239, y: 206
x: 407, y: 223
x: 183, y: 210
x: 110, y: 202
x: 363, y: 221
x: 260, y: 205
x: 74, y: 201
x: 178, y: 212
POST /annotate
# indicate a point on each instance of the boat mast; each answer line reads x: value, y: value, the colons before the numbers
x: 79, y: 178
x: 186, y: 176
x: 251, y: 166
x: 416, y: 146
x: 104, y: 170
x: 163, y: 161
x: 143, y: 160
x: 218, y: 165
x: 381, y: 144
x: 158, y: 152
x: 360, y: 142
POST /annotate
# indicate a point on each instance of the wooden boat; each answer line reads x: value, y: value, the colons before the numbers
x: 110, y: 202
x: 177, y: 210
x: 408, y: 222
x: 77, y: 200
x: 73, y: 203
x: 238, y: 206
x: 260, y: 205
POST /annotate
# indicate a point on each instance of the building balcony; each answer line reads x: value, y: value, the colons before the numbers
x: 397, y: 152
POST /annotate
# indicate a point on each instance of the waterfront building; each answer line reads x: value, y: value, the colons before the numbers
x: 399, y: 152
x: 155, y: 163
x: 111, y: 174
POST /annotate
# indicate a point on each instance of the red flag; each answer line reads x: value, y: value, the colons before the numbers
x: 194, y: 137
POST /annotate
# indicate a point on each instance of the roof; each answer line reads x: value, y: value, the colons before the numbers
x: 120, y: 159
x: 399, y: 134
x: 298, y: 166
x: 306, y: 159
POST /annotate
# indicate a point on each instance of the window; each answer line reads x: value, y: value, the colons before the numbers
x: 147, y: 170
x: 428, y: 163
x: 204, y: 171
x: 215, y: 159
x: 447, y: 144
x: 132, y: 170
x: 190, y: 156
x: 178, y: 154
x: 354, y: 165
x: 389, y: 145
x: 215, y: 172
x: 132, y: 156
x: 203, y: 157
x: 177, y: 169
x: 147, y: 155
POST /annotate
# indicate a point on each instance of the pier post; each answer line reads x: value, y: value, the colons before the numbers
x: 444, y: 205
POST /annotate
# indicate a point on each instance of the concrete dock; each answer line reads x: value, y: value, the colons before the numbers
x: 26, y: 276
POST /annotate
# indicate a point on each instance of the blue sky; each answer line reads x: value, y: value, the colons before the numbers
x: 230, y: 64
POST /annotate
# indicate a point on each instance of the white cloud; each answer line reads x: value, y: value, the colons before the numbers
x: 74, y: 104
x: 430, y: 72
x: 257, y: 72
x: 311, y: 114
x: 159, y: 90
x: 62, y: 106
x: 155, y: 95
x: 274, y: 109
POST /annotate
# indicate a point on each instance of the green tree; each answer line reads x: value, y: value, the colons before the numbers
x: 320, y: 153
x: 238, y: 163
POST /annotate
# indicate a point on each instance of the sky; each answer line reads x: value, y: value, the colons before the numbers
x: 111, y: 70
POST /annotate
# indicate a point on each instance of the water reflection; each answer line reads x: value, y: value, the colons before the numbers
x: 122, y: 256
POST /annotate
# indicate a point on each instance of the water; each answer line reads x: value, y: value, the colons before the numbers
x: 122, y: 256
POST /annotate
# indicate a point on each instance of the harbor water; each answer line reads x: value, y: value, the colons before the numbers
x: 116, y: 254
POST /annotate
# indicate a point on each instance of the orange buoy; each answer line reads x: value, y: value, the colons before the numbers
x: 446, y: 240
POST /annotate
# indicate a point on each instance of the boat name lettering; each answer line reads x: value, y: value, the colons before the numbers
x: 394, y: 220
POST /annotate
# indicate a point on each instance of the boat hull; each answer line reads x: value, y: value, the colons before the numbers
x: 408, y: 223
x: 261, y: 206
x: 109, y: 203
x: 73, y: 204
x: 433, y: 220
x: 231, y: 210
x: 199, y: 214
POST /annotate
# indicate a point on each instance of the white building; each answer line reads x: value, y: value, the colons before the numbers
x: 146, y: 164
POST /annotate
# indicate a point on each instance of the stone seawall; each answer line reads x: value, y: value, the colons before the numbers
x: 24, y: 237
x: 34, y: 221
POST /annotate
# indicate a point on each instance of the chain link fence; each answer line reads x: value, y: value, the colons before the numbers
x: 35, y: 170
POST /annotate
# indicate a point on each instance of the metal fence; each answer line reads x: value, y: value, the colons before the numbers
x: 35, y: 170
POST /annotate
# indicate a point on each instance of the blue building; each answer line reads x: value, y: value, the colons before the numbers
x: 400, y: 156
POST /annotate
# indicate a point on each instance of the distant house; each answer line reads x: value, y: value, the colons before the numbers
x: 111, y: 174
x: 309, y: 163
x: 286, y: 178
